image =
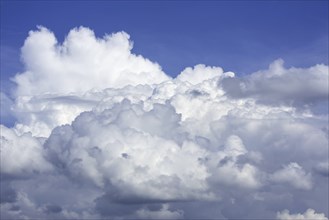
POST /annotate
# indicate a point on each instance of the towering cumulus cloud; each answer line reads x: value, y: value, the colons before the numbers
x: 103, y: 133
x: 81, y: 63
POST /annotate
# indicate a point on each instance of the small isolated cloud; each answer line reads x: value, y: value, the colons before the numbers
x: 101, y: 132
x: 308, y: 214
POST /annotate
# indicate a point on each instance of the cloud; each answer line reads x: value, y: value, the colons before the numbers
x: 227, y: 171
x: 308, y: 214
x: 200, y: 73
x: 294, y: 175
x: 117, y: 138
x: 322, y: 168
x: 97, y: 63
x: 23, y: 154
x: 279, y: 85
x: 113, y: 150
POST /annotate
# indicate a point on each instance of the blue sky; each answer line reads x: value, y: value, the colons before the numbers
x: 240, y: 36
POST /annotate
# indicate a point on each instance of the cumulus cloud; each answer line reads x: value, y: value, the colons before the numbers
x: 81, y: 63
x: 308, y: 214
x: 294, y: 175
x: 200, y: 73
x: 279, y: 85
x: 52, y: 89
x: 116, y: 137
x: 227, y: 170
x: 21, y: 154
x: 113, y: 150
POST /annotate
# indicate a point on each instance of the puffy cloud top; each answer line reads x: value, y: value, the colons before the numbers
x: 200, y: 73
x: 81, y: 63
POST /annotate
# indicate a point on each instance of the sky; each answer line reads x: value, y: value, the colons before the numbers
x: 211, y: 32
x: 164, y: 110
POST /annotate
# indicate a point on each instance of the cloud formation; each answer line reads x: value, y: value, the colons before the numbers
x: 279, y: 85
x: 117, y: 138
x: 308, y: 214
x: 295, y: 175
x: 81, y: 63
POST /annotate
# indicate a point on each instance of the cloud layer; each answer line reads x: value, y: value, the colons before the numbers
x: 101, y: 132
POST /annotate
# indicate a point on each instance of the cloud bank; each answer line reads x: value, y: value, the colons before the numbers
x: 101, y: 132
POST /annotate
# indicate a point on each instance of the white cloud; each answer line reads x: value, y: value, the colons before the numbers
x: 294, y: 175
x: 244, y: 177
x: 308, y: 214
x: 81, y: 63
x: 227, y: 171
x: 107, y: 128
x: 115, y: 149
x: 279, y: 85
x: 234, y: 146
x: 200, y: 73
x: 52, y: 89
x: 21, y: 155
